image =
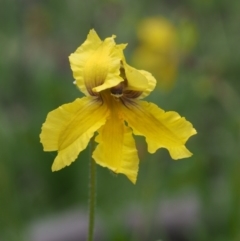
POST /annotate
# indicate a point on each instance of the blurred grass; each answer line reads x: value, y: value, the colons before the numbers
x: 36, y: 39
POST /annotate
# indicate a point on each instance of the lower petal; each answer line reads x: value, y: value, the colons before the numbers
x: 116, y: 149
x: 69, y: 128
x: 161, y: 129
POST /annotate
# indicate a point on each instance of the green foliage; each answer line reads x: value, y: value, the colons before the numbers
x: 37, y: 38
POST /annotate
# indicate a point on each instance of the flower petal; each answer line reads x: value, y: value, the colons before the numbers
x: 80, y: 57
x: 135, y: 79
x: 69, y: 128
x: 96, y: 64
x: 161, y: 129
x: 112, y: 57
x: 116, y: 149
x: 151, y: 84
x: 139, y: 80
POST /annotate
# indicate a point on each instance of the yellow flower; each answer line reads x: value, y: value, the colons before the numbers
x: 112, y: 108
x: 158, y: 33
x: 158, y: 50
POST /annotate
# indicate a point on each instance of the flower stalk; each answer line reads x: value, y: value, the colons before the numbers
x: 92, y: 194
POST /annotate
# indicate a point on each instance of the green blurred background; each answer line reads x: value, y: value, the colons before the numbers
x: 192, y: 199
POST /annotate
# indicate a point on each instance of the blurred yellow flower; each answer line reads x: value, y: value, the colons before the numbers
x: 158, y: 50
x: 112, y: 108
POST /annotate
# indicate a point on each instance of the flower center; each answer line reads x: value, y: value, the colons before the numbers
x: 120, y: 92
x: 117, y: 91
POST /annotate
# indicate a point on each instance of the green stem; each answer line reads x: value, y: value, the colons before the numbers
x: 92, y: 194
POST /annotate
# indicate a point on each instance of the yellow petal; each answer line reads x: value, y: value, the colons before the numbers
x: 96, y: 64
x: 161, y: 129
x: 136, y: 80
x: 108, y: 59
x: 80, y: 57
x: 116, y: 149
x: 151, y: 84
x: 92, y: 42
x: 139, y: 80
x: 69, y: 128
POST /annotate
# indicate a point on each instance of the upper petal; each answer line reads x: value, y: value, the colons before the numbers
x: 139, y: 80
x: 151, y: 84
x: 80, y: 57
x: 116, y: 149
x: 136, y: 80
x: 161, y: 129
x: 96, y: 64
x: 113, y: 63
x: 69, y: 128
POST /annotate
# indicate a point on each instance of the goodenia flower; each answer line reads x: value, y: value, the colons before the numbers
x: 113, y: 108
